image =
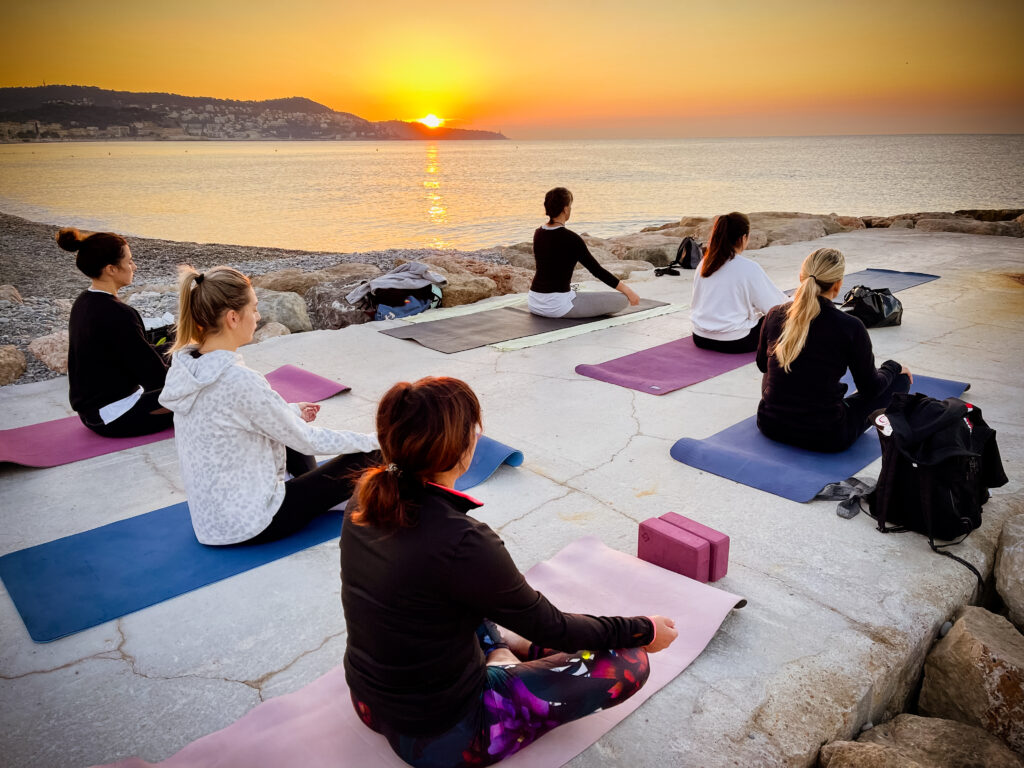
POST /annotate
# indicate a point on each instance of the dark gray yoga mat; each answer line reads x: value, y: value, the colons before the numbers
x: 892, y: 279
x: 457, y: 334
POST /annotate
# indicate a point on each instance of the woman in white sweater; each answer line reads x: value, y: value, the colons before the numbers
x: 236, y: 437
x: 731, y: 293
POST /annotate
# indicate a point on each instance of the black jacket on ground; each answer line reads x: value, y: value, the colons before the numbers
x: 108, y: 354
x: 414, y: 598
x: 810, y: 397
x: 557, y: 251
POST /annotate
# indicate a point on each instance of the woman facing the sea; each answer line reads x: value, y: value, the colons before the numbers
x: 557, y: 251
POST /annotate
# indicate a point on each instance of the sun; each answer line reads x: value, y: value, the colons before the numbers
x: 431, y: 121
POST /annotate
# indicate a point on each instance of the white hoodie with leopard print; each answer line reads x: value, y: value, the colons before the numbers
x: 231, y: 430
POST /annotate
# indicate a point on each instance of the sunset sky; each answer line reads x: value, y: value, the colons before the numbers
x: 602, y: 68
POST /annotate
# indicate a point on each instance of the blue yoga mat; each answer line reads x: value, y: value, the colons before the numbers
x: 892, y: 279
x: 743, y: 454
x: 88, y: 578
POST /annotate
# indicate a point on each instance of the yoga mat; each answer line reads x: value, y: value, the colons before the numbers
x: 666, y: 367
x: 316, y: 727
x: 892, y: 279
x: 88, y: 578
x: 63, y: 441
x: 741, y: 453
x: 457, y: 334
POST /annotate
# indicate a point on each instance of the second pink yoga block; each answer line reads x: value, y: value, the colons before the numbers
x: 719, y: 542
x: 674, y: 549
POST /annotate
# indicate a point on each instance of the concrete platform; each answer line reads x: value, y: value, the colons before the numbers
x: 839, y: 616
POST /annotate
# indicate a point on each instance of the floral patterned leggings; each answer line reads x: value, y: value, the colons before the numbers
x: 521, y: 702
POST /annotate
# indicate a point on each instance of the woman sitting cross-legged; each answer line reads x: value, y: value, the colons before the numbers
x: 731, y: 293
x: 806, y: 347
x: 557, y: 251
x: 114, y: 373
x: 422, y: 582
x: 235, y: 435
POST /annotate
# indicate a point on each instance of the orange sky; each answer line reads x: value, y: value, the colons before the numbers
x: 600, y: 68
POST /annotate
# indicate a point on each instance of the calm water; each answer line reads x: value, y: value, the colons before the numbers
x: 358, y: 196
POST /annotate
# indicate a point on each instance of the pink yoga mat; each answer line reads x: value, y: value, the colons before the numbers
x: 665, y: 368
x: 63, y: 441
x: 315, y: 727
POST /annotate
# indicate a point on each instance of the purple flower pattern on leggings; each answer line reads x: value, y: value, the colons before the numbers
x: 517, y: 719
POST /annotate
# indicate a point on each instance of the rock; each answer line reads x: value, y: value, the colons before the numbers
x: 853, y: 754
x: 1009, y: 568
x: 154, y: 303
x: 657, y: 248
x: 12, y: 364
x: 10, y: 293
x: 971, y: 227
x: 299, y: 281
x: 520, y: 258
x: 992, y: 214
x: 126, y: 293
x: 506, y: 278
x: 936, y: 743
x: 902, y: 224
x: 466, y: 288
x: 975, y: 675
x: 269, y: 331
x: 850, y: 222
x: 657, y: 256
x: 52, y: 350
x: 786, y: 228
x: 283, y: 307
x: 621, y: 269
x: 328, y: 308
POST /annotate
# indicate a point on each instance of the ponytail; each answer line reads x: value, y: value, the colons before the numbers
x: 203, y: 298
x: 95, y: 250
x: 424, y: 429
x: 819, y: 272
x: 726, y: 234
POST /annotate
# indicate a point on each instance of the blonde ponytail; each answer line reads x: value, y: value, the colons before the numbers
x: 203, y: 297
x: 819, y: 272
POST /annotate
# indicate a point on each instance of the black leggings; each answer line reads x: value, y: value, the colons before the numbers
x: 836, y: 438
x: 139, y: 420
x: 313, y: 490
x: 747, y: 344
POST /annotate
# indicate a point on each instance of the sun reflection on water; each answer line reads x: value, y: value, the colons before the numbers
x: 437, y: 211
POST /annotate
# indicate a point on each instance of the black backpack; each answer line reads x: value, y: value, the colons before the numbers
x: 939, y: 458
x: 688, y: 256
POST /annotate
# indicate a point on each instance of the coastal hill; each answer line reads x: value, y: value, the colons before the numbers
x: 79, y: 112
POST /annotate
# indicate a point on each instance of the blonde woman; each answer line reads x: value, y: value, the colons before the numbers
x: 805, y: 348
x: 236, y: 437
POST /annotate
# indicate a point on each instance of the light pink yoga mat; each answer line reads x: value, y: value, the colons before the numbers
x: 315, y: 727
x: 63, y: 441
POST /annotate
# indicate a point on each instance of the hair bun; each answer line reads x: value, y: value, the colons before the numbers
x: 70, y: 239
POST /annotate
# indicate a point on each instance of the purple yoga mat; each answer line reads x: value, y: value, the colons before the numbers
x: 316, y: 727
x: 63, y: 441
x: 665, y: 368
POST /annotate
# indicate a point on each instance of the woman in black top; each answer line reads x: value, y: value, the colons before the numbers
x: 557, y: 251
x: 421, y: 582
x: 115, y: 374
x: 805, y: 348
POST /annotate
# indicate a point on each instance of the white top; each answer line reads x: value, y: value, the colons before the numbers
x: 728, y: 304
x: 550, y: 304
x: 231, y: 430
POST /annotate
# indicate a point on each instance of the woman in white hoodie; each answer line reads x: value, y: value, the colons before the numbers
x: 236, y: 436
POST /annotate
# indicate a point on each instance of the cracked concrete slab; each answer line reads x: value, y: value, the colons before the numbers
x: 839, y: 616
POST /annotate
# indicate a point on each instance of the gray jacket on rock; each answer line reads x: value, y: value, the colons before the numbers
x: 410, y: 276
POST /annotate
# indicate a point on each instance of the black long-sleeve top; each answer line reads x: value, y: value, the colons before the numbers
x: 414, y: 598
x: 108, y: 354
x: 557, y: 252
x: 810, y: 397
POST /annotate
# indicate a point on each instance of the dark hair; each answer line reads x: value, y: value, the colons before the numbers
x: 203, y: 298
x: 729, y: 229
x: 424, y: 428
x: 96, y: 250
x: 555, y: 201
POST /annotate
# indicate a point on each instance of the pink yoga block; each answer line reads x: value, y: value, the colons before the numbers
x: 719, y: 542
x: 674, y: 549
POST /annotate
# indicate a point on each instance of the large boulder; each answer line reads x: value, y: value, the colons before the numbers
x: 854, y: 754
x: 12, y: 364
x: 52, y: 350
x: 506, y: 278
x: 10, y: 293
x: 624, y: 270
x: 1010, y: 568
x: 654, y: 247
x: 786, y: 228
x: 269, y: 331
x: 520, y: 255
x: 465, y: 288
x: 992, y: 214
x: 154, y: 303
x: 299, y: 281
x: 971, y: 226
x: 284, y: 307
x: 934, y: 742
x: 329, y: 309
x: 975, y: 674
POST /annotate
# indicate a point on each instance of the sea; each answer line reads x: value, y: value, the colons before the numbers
x: 365, y: 196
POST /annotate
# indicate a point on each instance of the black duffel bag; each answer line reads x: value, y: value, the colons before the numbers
x: 875, y: 307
